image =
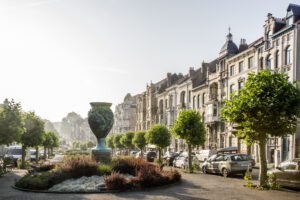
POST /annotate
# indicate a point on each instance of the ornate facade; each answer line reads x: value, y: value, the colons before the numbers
x: 205, y: 89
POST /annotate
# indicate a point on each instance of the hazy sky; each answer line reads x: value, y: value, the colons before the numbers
x: 56, y: 56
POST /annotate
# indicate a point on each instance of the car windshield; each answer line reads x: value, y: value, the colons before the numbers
x: 151, y: 153
x: 239, y: 158
x: 32, y: 152
x: 14, y: 152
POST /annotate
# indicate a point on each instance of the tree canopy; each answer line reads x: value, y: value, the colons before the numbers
x: 160, y: 136
x: 11, y: 123
x: 126, y: 139
x: 110, y: 141
x: 139, y: 139
x: 33, y: 130
x: 268, y: 106
x: 55, y: 139
x: 189, y: 126
x: 117, y: 142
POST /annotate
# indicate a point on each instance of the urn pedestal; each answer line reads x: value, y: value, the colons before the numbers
x: 101, y: 119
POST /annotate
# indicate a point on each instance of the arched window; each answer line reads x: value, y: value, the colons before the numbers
x: 269, y: 61
x: 276, y: 59
x: 194, y: 102
x: 288, y: 54
x: 199, y: 101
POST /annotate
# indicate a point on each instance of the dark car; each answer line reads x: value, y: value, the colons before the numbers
x: 287, y: 174
x: 151, y: 155
x: 169, y: 158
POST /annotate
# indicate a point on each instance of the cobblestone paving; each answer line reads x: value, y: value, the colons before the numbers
x: 195, y: 186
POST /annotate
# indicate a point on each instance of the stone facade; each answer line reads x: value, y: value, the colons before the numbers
x: 125, y: 115
x: 205, y: 89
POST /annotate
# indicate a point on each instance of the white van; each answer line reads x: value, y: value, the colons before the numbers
x: 203, y: 155
x: 15, y: 152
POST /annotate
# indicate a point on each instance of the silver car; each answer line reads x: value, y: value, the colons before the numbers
x: 226, y: 164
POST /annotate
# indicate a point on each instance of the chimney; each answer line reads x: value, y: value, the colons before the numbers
x: 191, y: 71
x: 243, y: 45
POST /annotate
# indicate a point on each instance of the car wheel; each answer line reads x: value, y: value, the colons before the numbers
x: 204, y: 170
x: 225, y: 173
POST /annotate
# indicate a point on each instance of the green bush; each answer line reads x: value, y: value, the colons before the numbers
x: 104, y: 169
x: 35, y: 181
x: 273, y: 182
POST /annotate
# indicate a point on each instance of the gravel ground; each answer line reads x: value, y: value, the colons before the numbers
x: 193, y: 186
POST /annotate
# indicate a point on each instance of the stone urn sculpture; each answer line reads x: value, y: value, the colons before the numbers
x: 101, y: 120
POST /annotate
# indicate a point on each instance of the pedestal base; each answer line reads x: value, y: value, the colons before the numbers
x: 103, y: 157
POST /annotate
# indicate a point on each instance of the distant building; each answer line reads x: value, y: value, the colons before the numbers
x: 125, y: 116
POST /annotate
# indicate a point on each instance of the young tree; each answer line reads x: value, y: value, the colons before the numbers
x: 11, y: 122
x: 55, y: 140
x: 139, y: 140
x: 268, y: 106
x: 126, y: 139
x: 189, y: 126
x: 160, y: 136
x: 90, y: 144
x: 117, y: 142
x: 33, y: 135
x: 47, y: 143
x: 110, y: 143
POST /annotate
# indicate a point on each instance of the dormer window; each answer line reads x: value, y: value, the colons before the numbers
x: 289, y: 18
x: 289, y: 21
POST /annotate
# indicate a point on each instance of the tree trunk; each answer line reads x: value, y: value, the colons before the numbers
x: 23, y: 157
x: 159, y: 155
x: 51, y: 151
x: 45, y: 154
x: 36, y: 155
x: 141, y: 153
x: 48, y: 154
x: 263, y: 163
x: 190, y: 158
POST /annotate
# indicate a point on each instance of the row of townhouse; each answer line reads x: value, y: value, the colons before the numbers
x: 205, y: 89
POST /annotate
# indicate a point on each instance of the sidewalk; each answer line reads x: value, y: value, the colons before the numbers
x: 269, y: 166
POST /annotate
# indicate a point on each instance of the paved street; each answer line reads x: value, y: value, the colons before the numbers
x: 193, y: 186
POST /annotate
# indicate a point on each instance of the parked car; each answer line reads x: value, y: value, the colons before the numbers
x: 203, y: 155
x: 287, y: 174
x: 15, y: 152
x: 182, y: 161
x: 169, y: 157
x: 150, y: 155
x: 227, y: 164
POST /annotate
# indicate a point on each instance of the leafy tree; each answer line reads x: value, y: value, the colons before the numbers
x: 139, y: 140
x: 160, y: 136
x: 33, y: 135
x: 83, y: 146
x: 90, y: 144
x: 126, y: 139
x: 268, y: 106
x: 47, y: 144
x: 189, y: 127
x: 110, y: 143
x: 55, y: 140
x: 11, y: 123
x: 117, y: 141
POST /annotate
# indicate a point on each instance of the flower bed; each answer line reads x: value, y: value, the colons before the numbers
x: 82, y: 174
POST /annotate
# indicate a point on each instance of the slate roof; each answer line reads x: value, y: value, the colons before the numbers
x: 295, y: 8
